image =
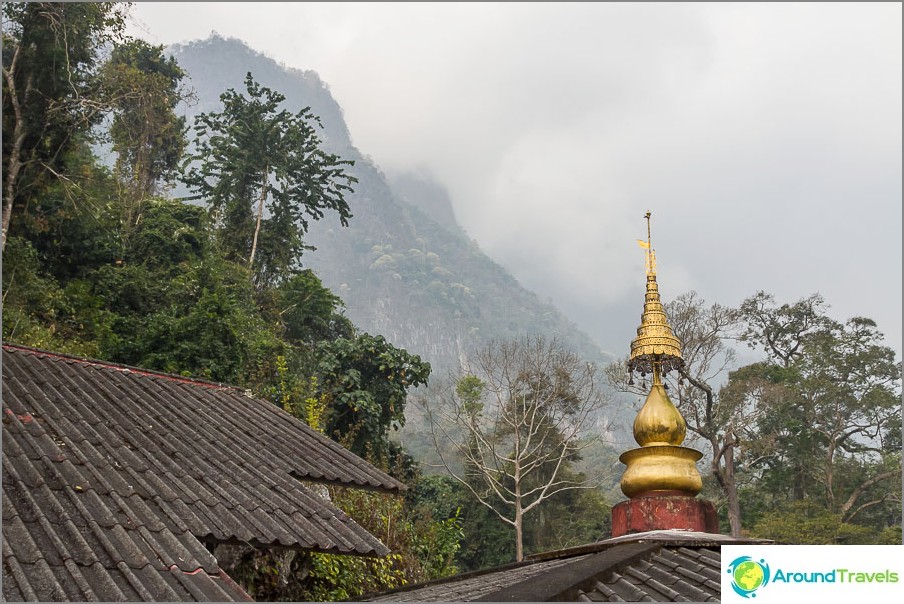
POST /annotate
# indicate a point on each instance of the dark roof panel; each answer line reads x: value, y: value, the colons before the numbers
x: 48, y: 557
x: 672, y: 573
x: 231, y: 461
x: 113, y: 477
x: 659, y: 566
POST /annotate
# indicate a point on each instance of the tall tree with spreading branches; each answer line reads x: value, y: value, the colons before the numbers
x: 826, y: 436
x: 144, y: 88
x: 263, y: 173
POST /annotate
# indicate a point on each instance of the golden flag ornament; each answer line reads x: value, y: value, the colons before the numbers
x: 645, y: 245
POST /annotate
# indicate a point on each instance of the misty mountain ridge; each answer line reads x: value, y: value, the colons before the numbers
x: 404, y: 267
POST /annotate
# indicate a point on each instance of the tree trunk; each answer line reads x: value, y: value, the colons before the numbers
x: 14, y: 162
x: 731, y: 491
x: 830, y: 475
x: 722, y: 469
x: 723, y: 459
x: 847, y: 510
x: 260, y: 213
x: 519, y: 531
x: 519, y: 514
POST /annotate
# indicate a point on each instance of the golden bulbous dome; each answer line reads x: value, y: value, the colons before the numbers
x: 659, y: 422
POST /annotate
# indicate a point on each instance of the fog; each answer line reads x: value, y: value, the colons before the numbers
x: 765, y: 138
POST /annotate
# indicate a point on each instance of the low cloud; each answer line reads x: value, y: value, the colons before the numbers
x: 765, y: 138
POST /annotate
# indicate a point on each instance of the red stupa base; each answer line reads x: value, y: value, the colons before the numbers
x: 664, y: 512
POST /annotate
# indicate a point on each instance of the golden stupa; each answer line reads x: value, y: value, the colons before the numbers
x: 660, y: 466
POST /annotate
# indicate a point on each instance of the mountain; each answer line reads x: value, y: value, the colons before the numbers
x: 404, y: 267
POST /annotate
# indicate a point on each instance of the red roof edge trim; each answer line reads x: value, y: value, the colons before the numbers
x: 235, y: 587
x: 118, y: 367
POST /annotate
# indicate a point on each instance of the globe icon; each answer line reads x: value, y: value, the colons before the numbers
x: 748, y: 575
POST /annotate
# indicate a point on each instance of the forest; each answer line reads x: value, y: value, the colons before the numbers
x: 102, y: 260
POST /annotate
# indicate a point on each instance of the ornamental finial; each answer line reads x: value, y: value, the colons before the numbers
x: 661, y: 465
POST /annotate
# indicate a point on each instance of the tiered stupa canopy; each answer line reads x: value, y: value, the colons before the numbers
x: 655, y: 342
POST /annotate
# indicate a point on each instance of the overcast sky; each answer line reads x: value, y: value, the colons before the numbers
x: 765, y: 138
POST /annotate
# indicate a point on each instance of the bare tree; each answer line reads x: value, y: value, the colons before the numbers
x: 516, y: 416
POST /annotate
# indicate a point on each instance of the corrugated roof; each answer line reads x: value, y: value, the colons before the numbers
x: 113, y: 477
x: 58, y: 545
x: 659, y: 566
x: 475, y: 586
x: 671, y: 574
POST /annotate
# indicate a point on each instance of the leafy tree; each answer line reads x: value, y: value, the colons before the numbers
x: 76, y: 229
x: 263, y: 174
x: 829, y: 397
x: 141, y: 87
x: 517, y: 418
x: 310, y: 312
x: 780, y: 331
x: 169, y: 235
x: 367, y: 380
x: 60, y: 241
x: 807, y: 523
x: 485, y: 541
x: 208, y: 327
x: 35, y: 307
x: 51, y: 96
x: 433, y: 501
x: 846, y: 390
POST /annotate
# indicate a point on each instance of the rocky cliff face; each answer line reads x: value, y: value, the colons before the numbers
x: 404, y: 267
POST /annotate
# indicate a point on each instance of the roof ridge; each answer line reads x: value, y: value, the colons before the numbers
x: 121, y: 367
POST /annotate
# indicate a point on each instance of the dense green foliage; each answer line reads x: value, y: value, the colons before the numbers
x: 51, y: 97
x: 100, y: 263
x: 827, y: 435
x: 367, y: 380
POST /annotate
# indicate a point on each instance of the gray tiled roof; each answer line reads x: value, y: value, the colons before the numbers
x: 672, y: 574
x: 472, y: 587
x: 659, y: 566
x: 114, y: 479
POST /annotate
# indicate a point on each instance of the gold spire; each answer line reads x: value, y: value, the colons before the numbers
x: 660, y: 464
x: 655, y: 343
